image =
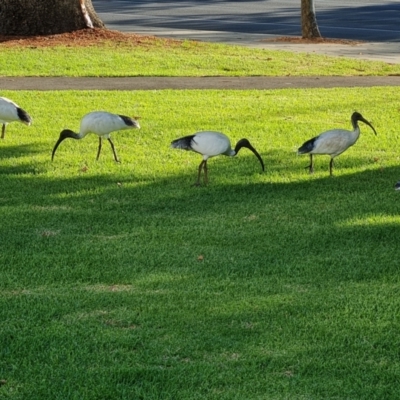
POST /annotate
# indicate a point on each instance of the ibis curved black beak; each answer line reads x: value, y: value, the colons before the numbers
x: 66, y: 133
x: 369, y: 124
x: 245, y: 143
x: 55, y: 147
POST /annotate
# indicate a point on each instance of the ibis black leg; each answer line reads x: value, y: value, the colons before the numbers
x: 311, y: 166
x: 199, y: 173
x: 331, y: 167
x: 3, y: 131
x: 205, y: 173
x: 113, y: 149
x: 99, y: 149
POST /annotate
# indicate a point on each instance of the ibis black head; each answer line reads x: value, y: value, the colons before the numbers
x: 66, y: 133
x: 245, y: 143
x: 356, y: 116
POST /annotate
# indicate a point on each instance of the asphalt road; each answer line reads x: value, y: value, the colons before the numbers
x: 369, y: 20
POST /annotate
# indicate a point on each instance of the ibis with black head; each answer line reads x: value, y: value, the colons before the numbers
x: 211, y: 144
x: 101, y: 123
x: 333, y: 142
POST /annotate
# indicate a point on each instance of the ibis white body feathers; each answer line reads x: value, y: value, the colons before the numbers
x: 10, y: 112
x: 333, y: 142
x: 207, y: 143
x: 210, y: 144
x: 101, y: 123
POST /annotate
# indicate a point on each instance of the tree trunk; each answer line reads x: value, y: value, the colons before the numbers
x: 46, y: 17
x: 309, y: 25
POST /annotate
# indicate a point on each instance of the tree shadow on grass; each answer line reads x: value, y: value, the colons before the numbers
x: 311, y: 230
x: 20, y: 150
x: 14, y: 152
x: 117, y: 268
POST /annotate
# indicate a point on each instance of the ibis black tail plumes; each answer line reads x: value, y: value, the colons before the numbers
x: 24, y: 116
x: 184, y: 143
x: 129, y: 121
x: 307, y: 146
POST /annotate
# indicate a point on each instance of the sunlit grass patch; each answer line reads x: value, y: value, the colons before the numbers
x: 186, y: 58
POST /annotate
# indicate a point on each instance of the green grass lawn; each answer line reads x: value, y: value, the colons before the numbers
x: 123, y: 281
x: 178, y: 58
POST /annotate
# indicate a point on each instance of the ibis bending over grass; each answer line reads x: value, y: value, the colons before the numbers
x: 210, y: 144
x: 333, y: 142
x: 10, y: 112
x: 101, y: 123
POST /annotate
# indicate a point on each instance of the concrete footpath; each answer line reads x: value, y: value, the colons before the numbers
x: 158, y: 83
x: 374, y: 51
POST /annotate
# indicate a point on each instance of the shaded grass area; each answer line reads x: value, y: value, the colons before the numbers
x: 123, y: 281
x: 186, y: 58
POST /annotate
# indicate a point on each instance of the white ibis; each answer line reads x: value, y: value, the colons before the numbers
x: 333, y: 142
x: 101, y: 123
x: 10, y: 112
x: 210, y: 144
